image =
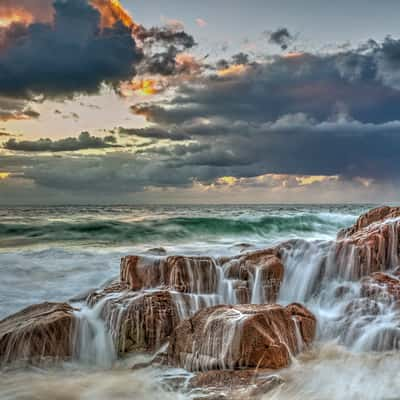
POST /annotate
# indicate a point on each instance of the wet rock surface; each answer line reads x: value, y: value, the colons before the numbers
x: 138, y: 321
x: 258, y: 275
x: 182, y: 274
x: 242, y: 384
x: 242, y: 336
x: 371, y: 245
x: 38, y: 332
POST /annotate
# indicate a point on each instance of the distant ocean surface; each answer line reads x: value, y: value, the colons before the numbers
x: 55, y: 253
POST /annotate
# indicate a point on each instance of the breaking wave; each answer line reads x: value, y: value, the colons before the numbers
x: 172, y: 229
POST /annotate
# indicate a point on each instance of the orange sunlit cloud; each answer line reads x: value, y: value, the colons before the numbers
x: 111, y: 12
x: 146, y: 87
x: 273, y: 181
x: 15, y: 117
x: 236, y: 69
x: 8, y: 17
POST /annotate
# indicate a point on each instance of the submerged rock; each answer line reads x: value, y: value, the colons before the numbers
x: 242, y: 336
x: 238, y: 384
x: 38, y: 332
x: 372, y: 321
x: 381, y: 286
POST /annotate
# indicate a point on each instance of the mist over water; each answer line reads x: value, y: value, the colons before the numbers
x: 61, y: 253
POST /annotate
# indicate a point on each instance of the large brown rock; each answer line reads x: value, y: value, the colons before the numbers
x: 38, y: 332
x: 138, y: 321
x: 375, y: 215
x: 183, y: 274
x: 258, y: 275
x: 242, y: 336
x: 371, y: 245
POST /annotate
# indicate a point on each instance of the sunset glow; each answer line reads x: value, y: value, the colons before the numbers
x: 232, y: 70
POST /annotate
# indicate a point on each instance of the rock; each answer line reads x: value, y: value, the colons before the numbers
x: 361, y: 322
x: 239, y: 384
x: 381, y: 286
x: 259, y: 275
x: 38, y: 332
x: 183, y: 274
x: 378, y: 214
x: 371, y: 245
x: 242, y: 336
x: 138, y: 321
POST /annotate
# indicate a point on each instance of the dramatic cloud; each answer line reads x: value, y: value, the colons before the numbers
x: 83, y: 142
x: 362, y: 84
x: 305, y: 114
x: 324, y: 122
x: 71, y: 55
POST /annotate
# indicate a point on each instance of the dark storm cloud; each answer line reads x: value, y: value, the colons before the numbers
x: 83, y: 142
x: 71, y: 55
x: 295, y: 144
x: 163, y: 63
x: 281, y: 37
x: 240, y: 58
x: 161, y: 46
x: 165, y: 35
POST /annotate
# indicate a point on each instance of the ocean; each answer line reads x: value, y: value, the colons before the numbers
x: 61, y: 253
x: 55, y: 253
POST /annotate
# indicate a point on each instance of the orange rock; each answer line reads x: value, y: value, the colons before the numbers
x: 378, y: 214
x: 381, y: 286
x: 371, y: 245
x: 242, y: 336
x: 183, y: 274
x: 261, y: 270
x: 138, y: 321
x: 37, y: 332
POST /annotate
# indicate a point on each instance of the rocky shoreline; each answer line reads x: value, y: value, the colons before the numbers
x: 220, y: 318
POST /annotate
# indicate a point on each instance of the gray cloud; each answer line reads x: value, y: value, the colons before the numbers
x: 281, y: 37
x: 83, y: 142
x: 154, y: 133
x: 363, y: 83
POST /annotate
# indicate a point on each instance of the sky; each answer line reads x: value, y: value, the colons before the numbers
x: 181, y: 101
